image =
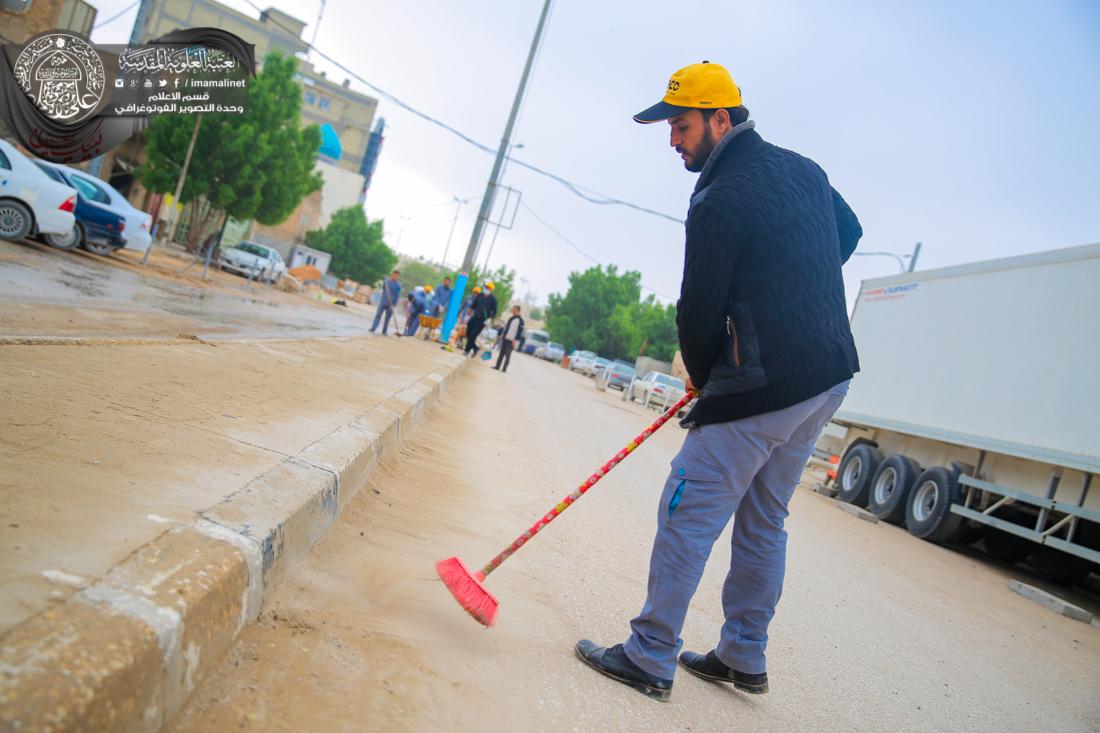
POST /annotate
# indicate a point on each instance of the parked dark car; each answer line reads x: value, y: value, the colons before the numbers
x: 98, y: 228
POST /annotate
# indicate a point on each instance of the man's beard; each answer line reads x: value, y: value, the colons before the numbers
x: 702, y: 152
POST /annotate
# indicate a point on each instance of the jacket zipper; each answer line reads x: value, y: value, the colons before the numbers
x: 731, y: 329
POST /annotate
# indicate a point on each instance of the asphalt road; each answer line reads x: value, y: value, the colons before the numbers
x: 876, y: 630
x: 46, y: 293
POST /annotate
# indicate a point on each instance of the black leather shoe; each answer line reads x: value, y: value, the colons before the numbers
x: 710, y: 667
x: 614, y: 663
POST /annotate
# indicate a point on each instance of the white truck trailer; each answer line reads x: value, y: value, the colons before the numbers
x: 976, y: 413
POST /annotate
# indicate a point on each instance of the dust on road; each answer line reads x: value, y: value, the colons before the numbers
x: 876, y: 631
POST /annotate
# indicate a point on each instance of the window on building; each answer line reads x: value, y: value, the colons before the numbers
x: 311, y: 260
x: 311, y: 98
x: 324, y: 103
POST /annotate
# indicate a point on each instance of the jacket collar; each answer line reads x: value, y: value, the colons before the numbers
x: 723, y: 146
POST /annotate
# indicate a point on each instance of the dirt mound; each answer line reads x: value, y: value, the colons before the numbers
x: 305, y: 273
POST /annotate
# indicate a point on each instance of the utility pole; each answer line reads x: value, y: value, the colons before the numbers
x: 502, y: 151
x: 179, y: 185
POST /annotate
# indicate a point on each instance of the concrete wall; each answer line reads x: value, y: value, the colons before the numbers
x: 341, y: 189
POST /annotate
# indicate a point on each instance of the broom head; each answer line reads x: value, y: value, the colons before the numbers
x: 468, y: 590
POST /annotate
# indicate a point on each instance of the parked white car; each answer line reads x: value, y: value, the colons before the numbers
x: 30, y: 201
x: 580, y: 361
x: 655, y: 389
x: 137, y: 232
x: 252, y: 258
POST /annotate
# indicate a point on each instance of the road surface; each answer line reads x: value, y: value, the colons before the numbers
x: 876, y: 630
x: 45, y: 293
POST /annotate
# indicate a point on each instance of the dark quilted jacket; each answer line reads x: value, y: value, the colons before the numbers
x: 762, y: 317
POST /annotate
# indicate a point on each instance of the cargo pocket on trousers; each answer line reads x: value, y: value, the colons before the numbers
x: 689, y: 478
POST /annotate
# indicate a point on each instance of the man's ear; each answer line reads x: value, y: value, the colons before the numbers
x: 722, y: 120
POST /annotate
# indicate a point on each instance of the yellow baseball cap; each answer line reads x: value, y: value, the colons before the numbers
x: 699, y: 86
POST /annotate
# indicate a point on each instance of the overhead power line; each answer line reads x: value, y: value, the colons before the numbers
x: 587, y: 194
x: 117, y: 15
x: 580, y: 251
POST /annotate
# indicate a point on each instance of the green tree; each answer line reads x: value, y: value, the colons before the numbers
x: 536, y: 313
x: 503, y: 280
x: 656, y: 329
x: 256, y: 165
x: 603, y: 311
x: 586, y: 316
x: 418, y: 272
x: 357, y: 248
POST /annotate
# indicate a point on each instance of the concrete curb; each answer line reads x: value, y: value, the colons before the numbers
x: 1053, y: 602
x: 856, y: 511
x: 125, y: 653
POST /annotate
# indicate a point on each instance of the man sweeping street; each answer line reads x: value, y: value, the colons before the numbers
x: 764, y: 336
x: 391, y: 291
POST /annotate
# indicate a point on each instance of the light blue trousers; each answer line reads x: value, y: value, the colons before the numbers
x: 748, y: 468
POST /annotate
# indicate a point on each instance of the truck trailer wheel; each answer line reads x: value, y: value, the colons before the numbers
x: 928, y: 511
x: 853, y: 476
x: 890, y: 488
x: 1058, y: 566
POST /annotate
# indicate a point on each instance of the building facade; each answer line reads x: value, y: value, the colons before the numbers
x: 345, y: 116
x: 349, y: 113
x: 21, y: 19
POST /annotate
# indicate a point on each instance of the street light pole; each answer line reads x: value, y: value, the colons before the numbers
x: 179, y: 185
x: 913, y: 257
x: 502, y: 151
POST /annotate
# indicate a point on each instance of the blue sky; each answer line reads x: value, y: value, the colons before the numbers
x: 972, y: 127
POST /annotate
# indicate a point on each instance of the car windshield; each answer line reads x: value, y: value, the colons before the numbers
x: 670, y: 381
x: 600, y: 361
x: 252, y: 249
x: 585, y: 355
x: 559, y: 347
x: 624, y: 369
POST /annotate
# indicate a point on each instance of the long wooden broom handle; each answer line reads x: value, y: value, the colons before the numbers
x: 588, y: 484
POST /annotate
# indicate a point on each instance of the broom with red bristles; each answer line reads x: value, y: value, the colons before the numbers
x: 467, y: 588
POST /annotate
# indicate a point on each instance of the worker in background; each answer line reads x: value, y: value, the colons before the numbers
x: 482, y: 309
x: 467, y: 302
x: 442, y: 298
x: 509, y: 339
x: 417, y: 306
x: 391, y: 292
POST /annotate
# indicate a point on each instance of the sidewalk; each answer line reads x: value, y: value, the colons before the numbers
x: 152, y: 495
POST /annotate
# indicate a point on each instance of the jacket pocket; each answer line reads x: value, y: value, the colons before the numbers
x: 739, y: 369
